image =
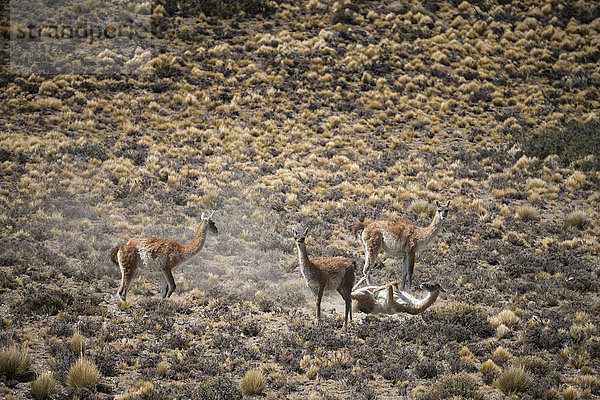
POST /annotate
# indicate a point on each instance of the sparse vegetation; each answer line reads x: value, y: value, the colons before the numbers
x: 279, y: 115
x: 577, y: 142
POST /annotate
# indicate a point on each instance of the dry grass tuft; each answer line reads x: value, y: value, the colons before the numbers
x: 501, y: 354
x: 528, y: 213
x: 507, y: 318
x: 422, y: 208
x: 576, y: 219
x: 458, y: 385
x: 162, y: 368
x: 77, y: 344
x: 83, y: 373
x: 571, y: 393
x: 514, y: 379
x: 14, y: 362
x: 43, y: 386
x: 252, y: 383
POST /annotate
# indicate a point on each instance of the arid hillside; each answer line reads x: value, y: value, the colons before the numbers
x: 288, y: 115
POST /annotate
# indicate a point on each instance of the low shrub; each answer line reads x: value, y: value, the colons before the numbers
x: 426, y: 369
x: 544, y: 337
x: 217, y: 8
x: 219, y: 388
x: 457, y: 385
x: 576, y: 142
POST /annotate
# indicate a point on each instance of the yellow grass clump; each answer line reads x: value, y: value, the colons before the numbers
x: 82, y: 373
x: 507, y: 318
x: 514, y: 379
x: 43, y: 386
x: 14, y: 362
x: 528, y: 213
x: 253, y: 383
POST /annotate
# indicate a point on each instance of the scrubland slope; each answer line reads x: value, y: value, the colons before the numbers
x: 314, y: 115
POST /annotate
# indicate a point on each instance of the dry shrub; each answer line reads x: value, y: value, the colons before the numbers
x: 458, y: 385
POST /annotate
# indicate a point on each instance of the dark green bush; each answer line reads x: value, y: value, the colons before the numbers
x: 458, y: 385
x: 219, y: 388
x: 216, y: 8
x: 572, y: 144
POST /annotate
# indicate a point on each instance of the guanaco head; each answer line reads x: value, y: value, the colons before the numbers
x: 442, y: 211
x: 431, y: 286
x: 300, y: 238
x: 211, y: 224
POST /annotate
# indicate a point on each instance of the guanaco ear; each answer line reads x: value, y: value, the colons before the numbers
x: 448, y: 204
x: 306, y: 232
x: 437, y: 203
x: 294, y: 232
x: 211, y: 214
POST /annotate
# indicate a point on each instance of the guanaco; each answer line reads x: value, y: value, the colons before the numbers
x: 386, y: 300
x: 326, y: 274
x: 397, y: 238
x: 164, y: 254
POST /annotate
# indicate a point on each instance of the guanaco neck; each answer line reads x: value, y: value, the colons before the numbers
x: 303, y: 256
x: 421, y: 305
x: 427, y: 301
x: 198, y: 242
x: 433, y: 229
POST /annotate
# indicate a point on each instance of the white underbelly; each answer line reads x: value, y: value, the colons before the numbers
x: 332, y: 284
x: 392, y: 246
x: 148, y: 261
